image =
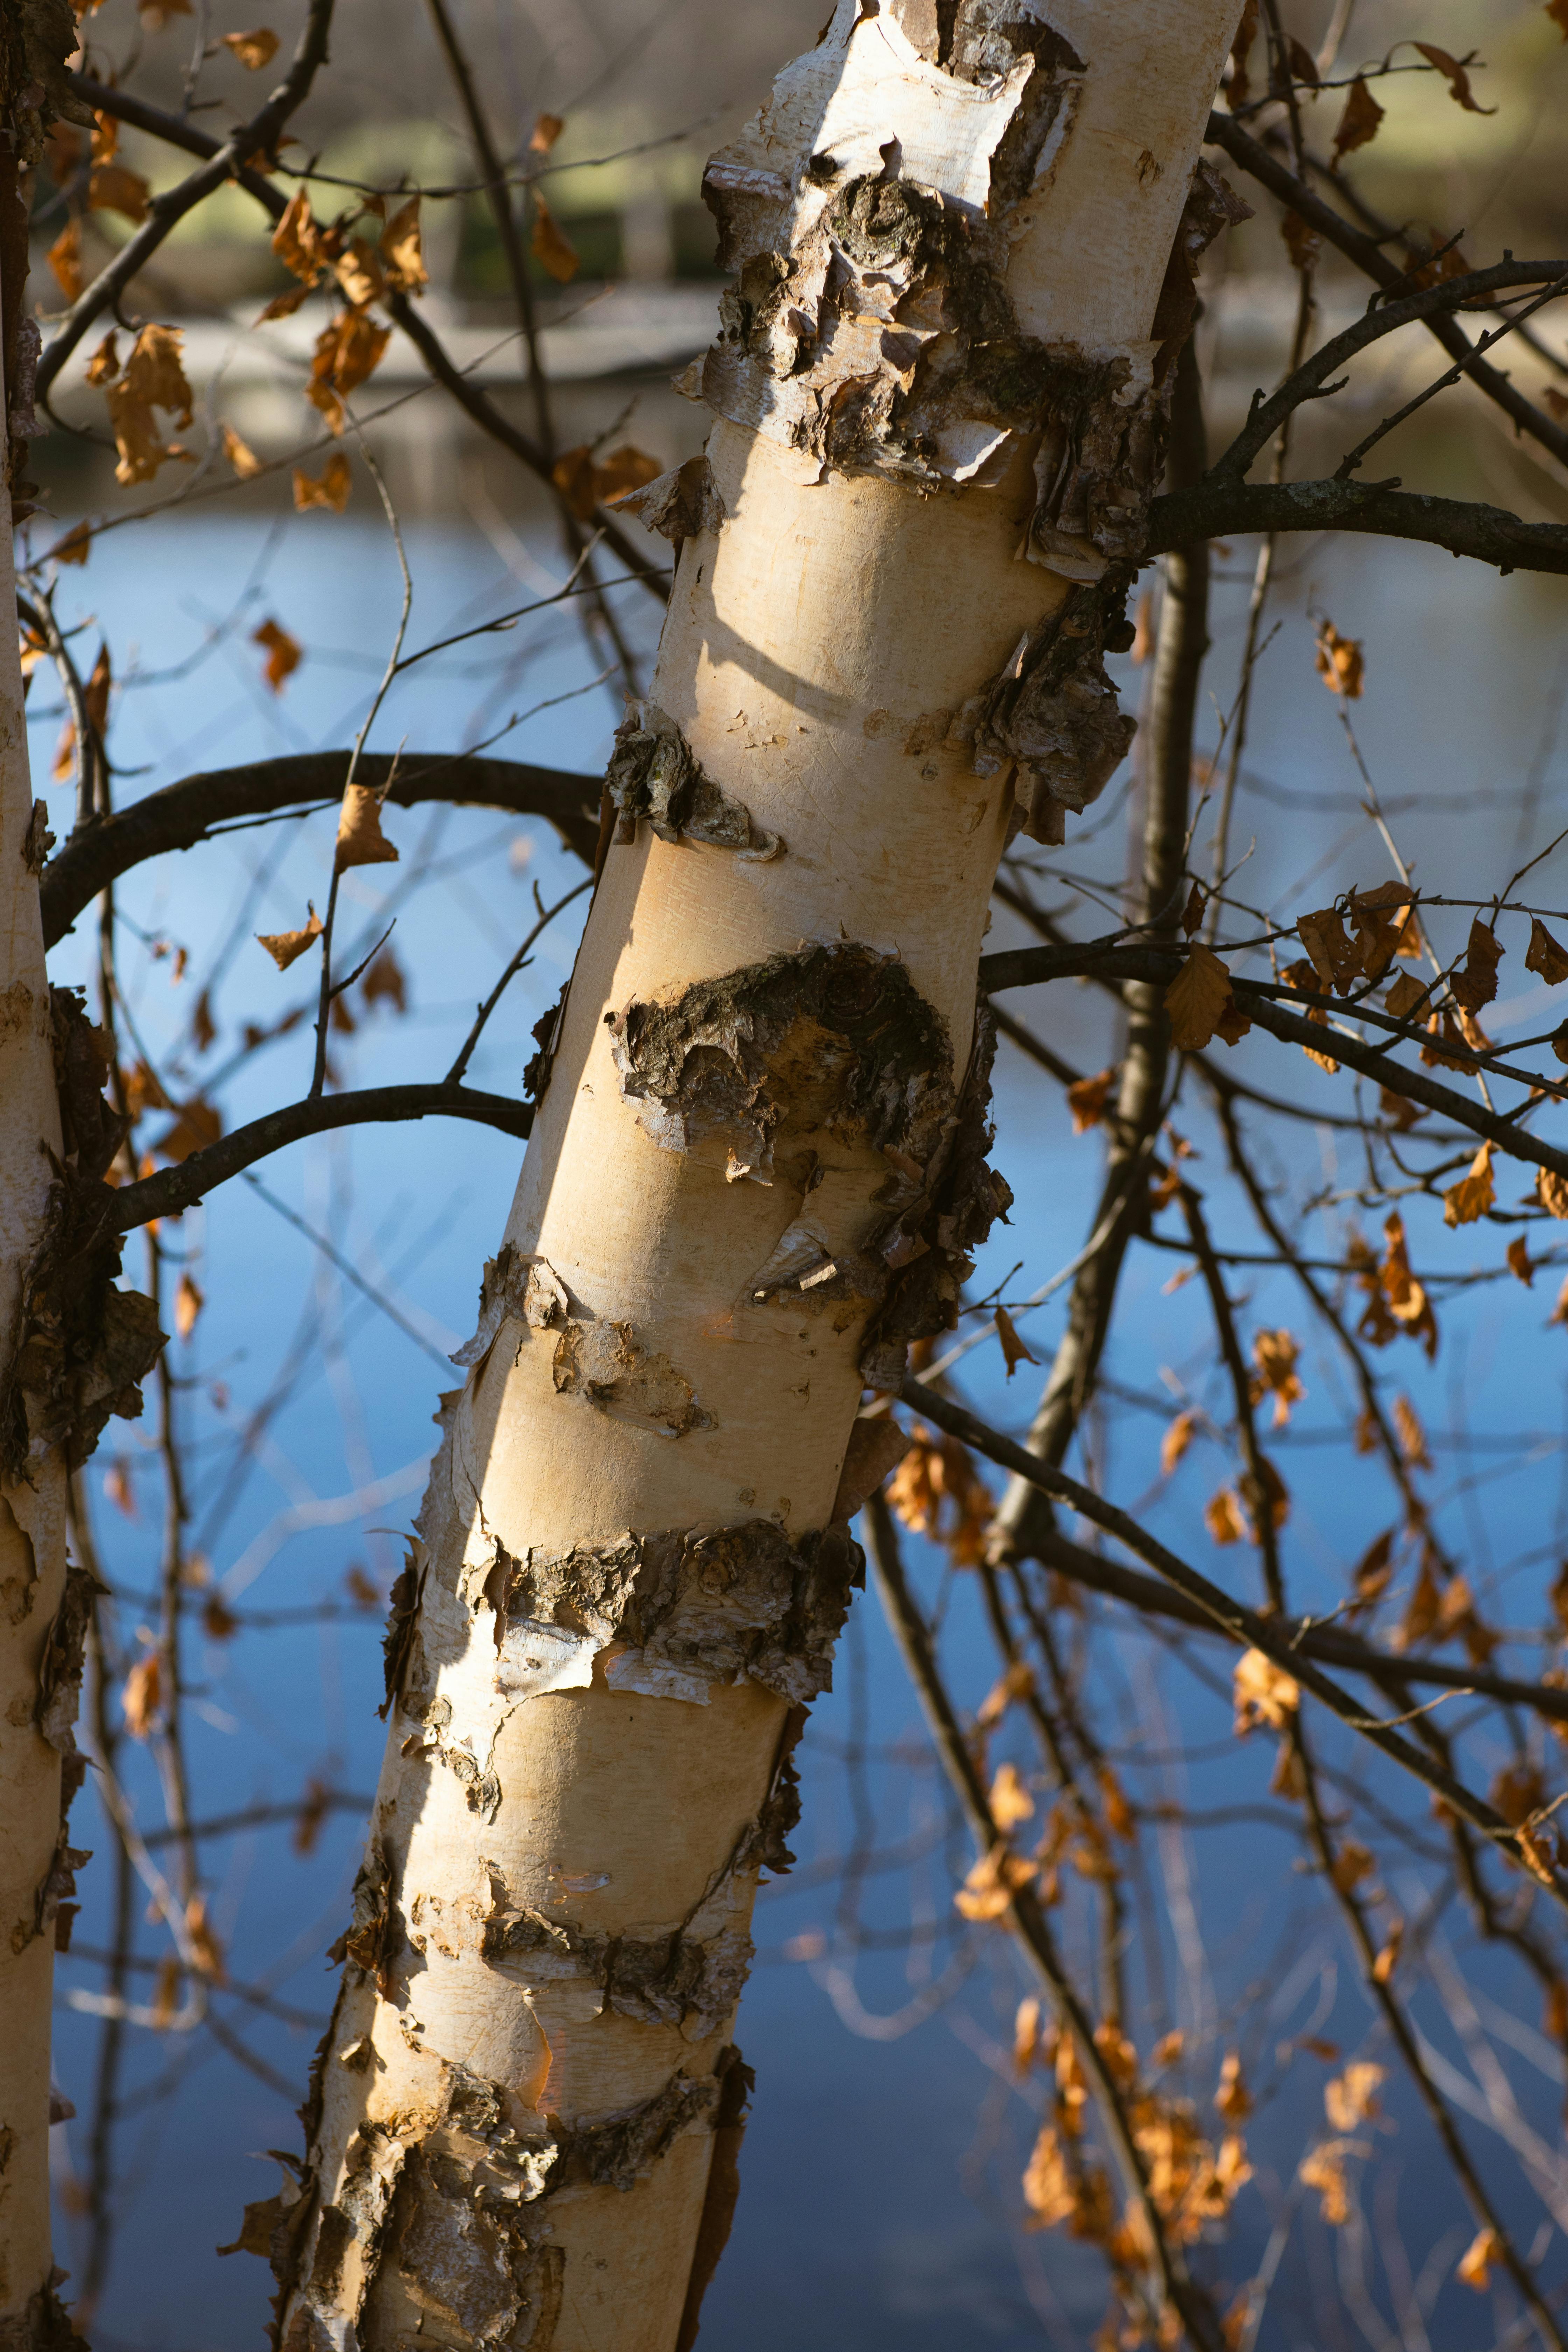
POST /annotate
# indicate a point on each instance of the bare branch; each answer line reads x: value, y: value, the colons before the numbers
x: 177, y: 1188
x: 196, y: 807
x: 1227, y: 508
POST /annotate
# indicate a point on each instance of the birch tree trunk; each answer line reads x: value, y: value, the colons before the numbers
x: 73, y: 1346
x: 962, y: 241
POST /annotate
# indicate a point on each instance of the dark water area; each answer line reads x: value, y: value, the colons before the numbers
x: 881, y: 2206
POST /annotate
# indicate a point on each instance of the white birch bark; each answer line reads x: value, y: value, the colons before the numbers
x: 758, y: 1163
x: 32, y: 1546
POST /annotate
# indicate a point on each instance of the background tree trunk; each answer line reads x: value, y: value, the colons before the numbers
x: 756, y: 1169
x: 32, y: 1544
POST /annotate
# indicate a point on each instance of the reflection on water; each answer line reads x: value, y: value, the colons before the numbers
x: 881, y: 2204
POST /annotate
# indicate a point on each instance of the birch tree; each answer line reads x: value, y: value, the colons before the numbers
x: 955, y: 405
x: 963, y: 249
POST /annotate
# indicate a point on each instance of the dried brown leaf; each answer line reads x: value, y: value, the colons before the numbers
x: 1358, y: 124
x: 1177, y: 1438
x: 1340, y: 662
x: 1351, y: 2098
x: 329, y: 489
x: 1222, y: 1517
x: 1475, y: 2264
x: 112, y: 188
x: 1010, y: 1800
x: 1474, y: 1193
x: 188, y: 1303
x: 361, y: 841
x: 1475, y: 982
x: 1264, y: 1693
x: 1012, y: 1348
x: 1087, y: 1098
x: 286, y: 947
x: 552, y: 250
x: 1454, y: 73
x: 139, y: 1700
x: 65, y: 259
x: 241, y: 456
x: 403, y: 251
x: 1545, y: 955
x: 254, y: 49
x: 284, y: 652
x: 1197, y: 999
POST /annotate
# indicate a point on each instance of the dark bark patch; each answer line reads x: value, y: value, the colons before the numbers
x: 746, y: 1600
x: 832, y: 1037
x: 654, y: 774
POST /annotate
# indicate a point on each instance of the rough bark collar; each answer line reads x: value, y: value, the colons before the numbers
x: 82, y: 1345
x: 654, y: 774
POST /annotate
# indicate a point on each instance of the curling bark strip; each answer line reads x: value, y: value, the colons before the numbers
x: 757, y: 1169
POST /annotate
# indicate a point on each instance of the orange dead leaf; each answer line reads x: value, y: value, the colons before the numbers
x: 402, y: 251
x: 1167, y: 2050
x: 1118, y: 1811
x: 1375, y: 1570
x: 385, y: 980
x: 1087, y: 1099
x: 74, y: 548
x: 1010, y: 1800
x: 1012, y: 1348
x: 286, y: 947
x: 1358, y: 124
x: 196, y: 1124
x: 550, y: 247
x: 348, y: 351
x: 218, y: 1620
x: 112, y: 188
x: 1412, y: 1436
x: 188, y: 1303
x: 206, y: 1952
x: 358, y: 272
x: 330, y: 488
x: 546, y: 131
x: 1475, y: 982
x: 1264, y: 1693
x: 1387, y: 1959
x: 241, y: 456
x: 989, y: 1888
x: 104, y: 364
x: 1192, y: 912
x: 1473, y: 1195
x: 1222, y: 1516
x: 139, y: 1700
x: 1485, y: 2249
x: 361, y: 841
x: 1351, y: 2098
x: 1351, y: 1864
x: 284, y: 652
x: 1026, y: 2033
x: 254, y: 49
x: 297, y: 242
x: 1049, y: 2191
x: 1334, y: 959
x: 1018, y: 1683
x: 154, y: 378
x: 284, y: 305
x: 1233, y: 2099
x: 1275, y: 1353
x: 1339, y: 662
x: 1197, y: 999
x: 1515, y: 1792
x: 65, y: 259
x: 1177, y: 1438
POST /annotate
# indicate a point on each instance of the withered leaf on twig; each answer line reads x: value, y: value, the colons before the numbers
x: 1358, y: 124
x: 1475, y: 982
x: 1197, y: 999
x: 241, y: 456
x: 1544, y: 955
x: 361, y: 841
x: 1340, y: 664
x: 286, y: 947
x: 1012, y: 1348
x: 402, y: 251
x: 254, y: 49
x: 550, y: 248
x: 1454, y: 73
x: 1474, y: 1193
x: 284, y: 652
x: 329, y: 489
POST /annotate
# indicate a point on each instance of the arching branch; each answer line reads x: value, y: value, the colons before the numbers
x: 1223, y: 508
x: 180, y: 1187
x: 184, y: 814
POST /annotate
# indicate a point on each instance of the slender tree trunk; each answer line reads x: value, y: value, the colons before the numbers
x: 32, y: 1501
x: 1025, y: 1520
x: 758, y: 1166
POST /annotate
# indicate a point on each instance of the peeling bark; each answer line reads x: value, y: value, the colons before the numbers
x: 758, y: 1168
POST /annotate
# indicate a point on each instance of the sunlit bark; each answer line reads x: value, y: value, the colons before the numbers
x: 759, y: 1161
